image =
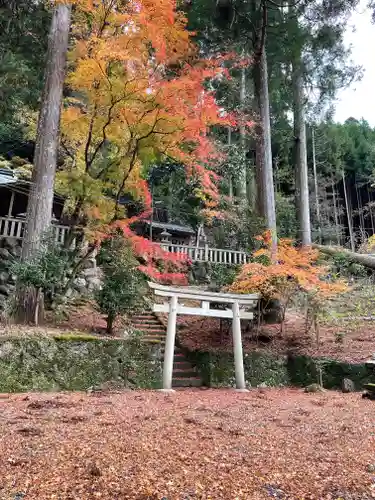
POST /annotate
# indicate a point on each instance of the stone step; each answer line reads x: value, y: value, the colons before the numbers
x: 134, y: 319
x: 186, y: 382
x: 147, y: 325
x: 178, y: 357
x: 153, y: 337
x: 151, y: 330
x: 152, y: 341
x: 177, y: 350
x: 178, y: 353
x: 185, y: 373
x: 144, y: 328
x: 145, y: 317
x: 143, y: 324
x: 182, y: 365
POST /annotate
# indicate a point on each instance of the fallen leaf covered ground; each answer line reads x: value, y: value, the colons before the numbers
x: 187, y: 445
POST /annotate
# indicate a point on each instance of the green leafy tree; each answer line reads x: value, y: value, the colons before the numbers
x: 172, y: 190
x: 123, y: 284
x: 23, y: 44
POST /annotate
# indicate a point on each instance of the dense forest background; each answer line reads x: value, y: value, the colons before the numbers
x: 296, y: 62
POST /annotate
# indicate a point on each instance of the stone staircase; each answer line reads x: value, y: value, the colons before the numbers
x: 184, y: 373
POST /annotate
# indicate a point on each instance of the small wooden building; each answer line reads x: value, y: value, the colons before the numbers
x: 14, y: 195
x: 159, y: 224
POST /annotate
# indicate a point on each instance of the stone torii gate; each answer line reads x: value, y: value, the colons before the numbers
x: 173, y: 308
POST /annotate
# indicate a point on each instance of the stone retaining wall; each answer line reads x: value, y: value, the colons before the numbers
x: 217, y: 370
x: 71, y: 362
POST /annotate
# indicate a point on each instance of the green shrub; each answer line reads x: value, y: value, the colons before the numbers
x: 342, y: 265
x: 48, y: 271
x: 123, y: 285
x: 223, y: 275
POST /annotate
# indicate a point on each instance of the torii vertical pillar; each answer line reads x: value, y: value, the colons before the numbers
x: 237, y: 348
x: 169, y: 344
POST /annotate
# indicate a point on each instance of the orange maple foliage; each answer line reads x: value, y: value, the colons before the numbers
x: 138, y: 95
x: 296, y: 269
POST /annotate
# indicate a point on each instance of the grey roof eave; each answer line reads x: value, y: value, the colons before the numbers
x: 5, y: 180
x: 20, y: 184
x: 172, y: 227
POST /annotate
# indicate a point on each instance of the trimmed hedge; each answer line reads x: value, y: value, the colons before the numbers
x: 217, y: 370
x: 76, y: 363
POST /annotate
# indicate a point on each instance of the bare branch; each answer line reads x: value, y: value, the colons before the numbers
x: 89, y: 139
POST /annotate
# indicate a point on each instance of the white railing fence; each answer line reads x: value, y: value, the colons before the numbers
x: 208, y: 254
x: 11, y: 227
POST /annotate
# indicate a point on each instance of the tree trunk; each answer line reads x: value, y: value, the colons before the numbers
x: 358, y: 258
x: 30, y: 305
x: 341, y: 222
x: 362, y: 227
x: 317, y: 207
x: 170, y: 197
x: 335, y: 212
x: 39, y: 209
x: 230, y: 178
x: 242, y: 183
x: 266, y: 190
x: 370, y: 211
x: 348, y: 214
x: 110, y: 321
x: 326, y: 210
x: 302, y: 179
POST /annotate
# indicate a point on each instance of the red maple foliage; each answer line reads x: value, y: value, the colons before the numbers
x: 140, y: 96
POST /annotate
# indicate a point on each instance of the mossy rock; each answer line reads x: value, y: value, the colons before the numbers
x: 312, y: 388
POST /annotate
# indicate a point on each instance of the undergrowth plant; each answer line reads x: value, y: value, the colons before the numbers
x: 292, y: 272
x: 223, y: 275
x: 48, y: 272
x: 124, y: 284
x: 343, y: 266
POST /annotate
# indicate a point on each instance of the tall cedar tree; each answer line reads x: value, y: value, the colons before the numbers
x: 39, y: 209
